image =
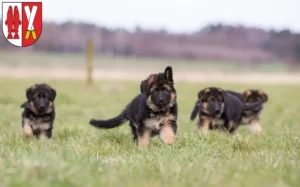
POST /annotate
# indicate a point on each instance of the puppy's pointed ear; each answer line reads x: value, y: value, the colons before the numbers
x: 52, y: 94
x: 144, y: 86
x: 202, y: 93
x: 246, y: 94
x: 224, y: 94
x: 263, y: 95
x: 29, y: 94
x: 169, y: 74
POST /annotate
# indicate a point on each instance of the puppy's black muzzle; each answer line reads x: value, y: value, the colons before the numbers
x: 42, y: 106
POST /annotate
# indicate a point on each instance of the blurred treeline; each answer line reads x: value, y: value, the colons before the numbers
x: 213, y: 42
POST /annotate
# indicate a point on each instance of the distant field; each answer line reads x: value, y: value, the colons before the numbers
x: 80, y: 155
x: 21, y: 59
x: 73, y: 66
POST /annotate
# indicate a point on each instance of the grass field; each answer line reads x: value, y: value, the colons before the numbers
x: 80, y: 155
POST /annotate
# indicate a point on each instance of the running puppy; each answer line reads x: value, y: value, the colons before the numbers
x: 39, y: 113
x: 151, y: 113
x: 251, y: 117
x: 219, y: 110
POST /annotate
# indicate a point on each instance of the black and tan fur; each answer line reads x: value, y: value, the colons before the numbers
x: 219, y: 110
x: 39, y: 111
x: 251, y: 117
x: 151, y: 113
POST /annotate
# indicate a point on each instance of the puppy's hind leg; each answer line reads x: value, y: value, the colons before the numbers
x: 231, y: 127
x: 133, y: 131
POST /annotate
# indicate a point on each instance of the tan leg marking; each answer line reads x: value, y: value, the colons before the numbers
x: 27, y: 130
x: 230, y: 125
x: 144, y: 140
x: 43, y: 136
x: 167, y: 134
x: 255, y: 127
x: 204, y: 127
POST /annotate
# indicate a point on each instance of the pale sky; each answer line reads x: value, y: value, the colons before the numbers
x: 176, y: 15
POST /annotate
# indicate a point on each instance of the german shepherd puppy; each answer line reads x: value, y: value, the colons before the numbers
x: 218, y: 109
x: 39, y: 112
x: 251, y: 117
x: 151, y: 113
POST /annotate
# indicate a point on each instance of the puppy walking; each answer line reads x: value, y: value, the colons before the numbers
x: 39, y: 112
x: 251, y: 117
x: 218, y: 109
x: 151, y: 113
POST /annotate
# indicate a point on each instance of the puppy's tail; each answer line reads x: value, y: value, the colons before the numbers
x: 253, y: 105
x: 196, y: 110
x: 111, y: 123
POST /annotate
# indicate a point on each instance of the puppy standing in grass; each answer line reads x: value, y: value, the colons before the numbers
x: 251, y: 117
x: 39, y: 112
x: 151, y: 113
x: 218, y: 109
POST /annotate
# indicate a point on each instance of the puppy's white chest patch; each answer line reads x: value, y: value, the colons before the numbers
x: 218, y: 122
x: 38, y: 124
x: 41, y: 126
x: 155, y: 122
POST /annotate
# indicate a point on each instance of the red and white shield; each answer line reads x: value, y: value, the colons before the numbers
x: 22, y: 22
